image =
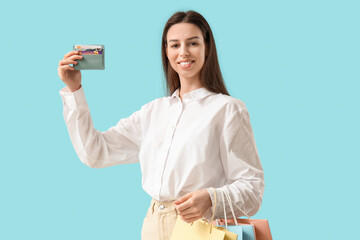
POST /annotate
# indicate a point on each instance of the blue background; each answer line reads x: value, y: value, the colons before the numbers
x: 295, y: 64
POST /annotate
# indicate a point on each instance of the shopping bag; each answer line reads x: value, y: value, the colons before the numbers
x: 244, y: 232
x: 252, y: 229
x: 261, y: 227
x: 201, y: 229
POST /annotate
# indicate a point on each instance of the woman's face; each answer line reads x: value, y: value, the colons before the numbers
x: 186, y: 50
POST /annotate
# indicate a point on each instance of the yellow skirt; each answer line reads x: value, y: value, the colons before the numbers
x: 159, y: 221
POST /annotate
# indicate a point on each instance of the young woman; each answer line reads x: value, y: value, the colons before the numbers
x: 196, y: 138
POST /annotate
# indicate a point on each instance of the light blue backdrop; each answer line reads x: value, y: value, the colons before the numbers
x: 295, y: 64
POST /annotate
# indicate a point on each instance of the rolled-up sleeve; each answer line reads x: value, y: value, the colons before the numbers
x: 241, y: 165
x: 120, y: 144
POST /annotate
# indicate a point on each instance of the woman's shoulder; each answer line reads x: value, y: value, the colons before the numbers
x: 230, y: 103
x: 155, y: 102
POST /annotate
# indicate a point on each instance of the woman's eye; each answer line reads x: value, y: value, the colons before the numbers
x: 176, y: 45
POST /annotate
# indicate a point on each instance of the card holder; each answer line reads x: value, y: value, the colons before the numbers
x: 91, y: 62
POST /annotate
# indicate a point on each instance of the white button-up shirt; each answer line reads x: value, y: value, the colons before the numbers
x: 203, y: 141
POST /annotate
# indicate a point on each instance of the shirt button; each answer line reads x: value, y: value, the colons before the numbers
x: 161, y: 207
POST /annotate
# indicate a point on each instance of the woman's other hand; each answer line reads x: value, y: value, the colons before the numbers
x: 193, y: 206
x: 67, y: 73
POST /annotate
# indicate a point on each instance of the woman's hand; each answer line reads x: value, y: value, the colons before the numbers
x: 67, y: 73
x: 193, y: 206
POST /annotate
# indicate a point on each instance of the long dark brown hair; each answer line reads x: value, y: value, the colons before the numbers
x: 210, y: 75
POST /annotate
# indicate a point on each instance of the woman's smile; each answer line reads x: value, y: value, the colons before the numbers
x: 187, y: 64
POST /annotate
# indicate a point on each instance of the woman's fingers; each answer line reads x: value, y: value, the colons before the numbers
x: 70, y: 60
x: 191, y: 210
x: 67, y: 62
x: 73, y: 57
x: 70, y: 54
x: 191, y: 214
x: 65, y: 67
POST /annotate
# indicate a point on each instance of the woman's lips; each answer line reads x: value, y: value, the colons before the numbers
x: 186, y: 65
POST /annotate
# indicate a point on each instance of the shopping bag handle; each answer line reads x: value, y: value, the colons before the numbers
x: 227, y: 195
x: 213, y: 215
x: 232, y: 210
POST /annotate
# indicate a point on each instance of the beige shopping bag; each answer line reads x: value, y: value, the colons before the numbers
x: 200, y: 230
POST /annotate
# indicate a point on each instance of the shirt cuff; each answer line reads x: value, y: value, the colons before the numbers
x: 73, y: 99
x: 208, y: 214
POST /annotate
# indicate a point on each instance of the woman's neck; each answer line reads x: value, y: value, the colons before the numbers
x: 187, y: 86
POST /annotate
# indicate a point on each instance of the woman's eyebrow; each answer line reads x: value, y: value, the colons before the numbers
x: 175, y: 40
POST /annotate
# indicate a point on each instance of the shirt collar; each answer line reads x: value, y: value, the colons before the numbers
x: 193, y: 95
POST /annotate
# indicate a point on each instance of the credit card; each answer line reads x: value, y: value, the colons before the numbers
x: 89, y: 49
x: 90, y: 52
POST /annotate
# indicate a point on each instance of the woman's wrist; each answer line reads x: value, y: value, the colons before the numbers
x: 73, y: 88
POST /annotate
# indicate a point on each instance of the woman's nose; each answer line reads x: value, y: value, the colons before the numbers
x: 184, y: 51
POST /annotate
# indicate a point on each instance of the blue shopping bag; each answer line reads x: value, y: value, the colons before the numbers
x: 244, y: 232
